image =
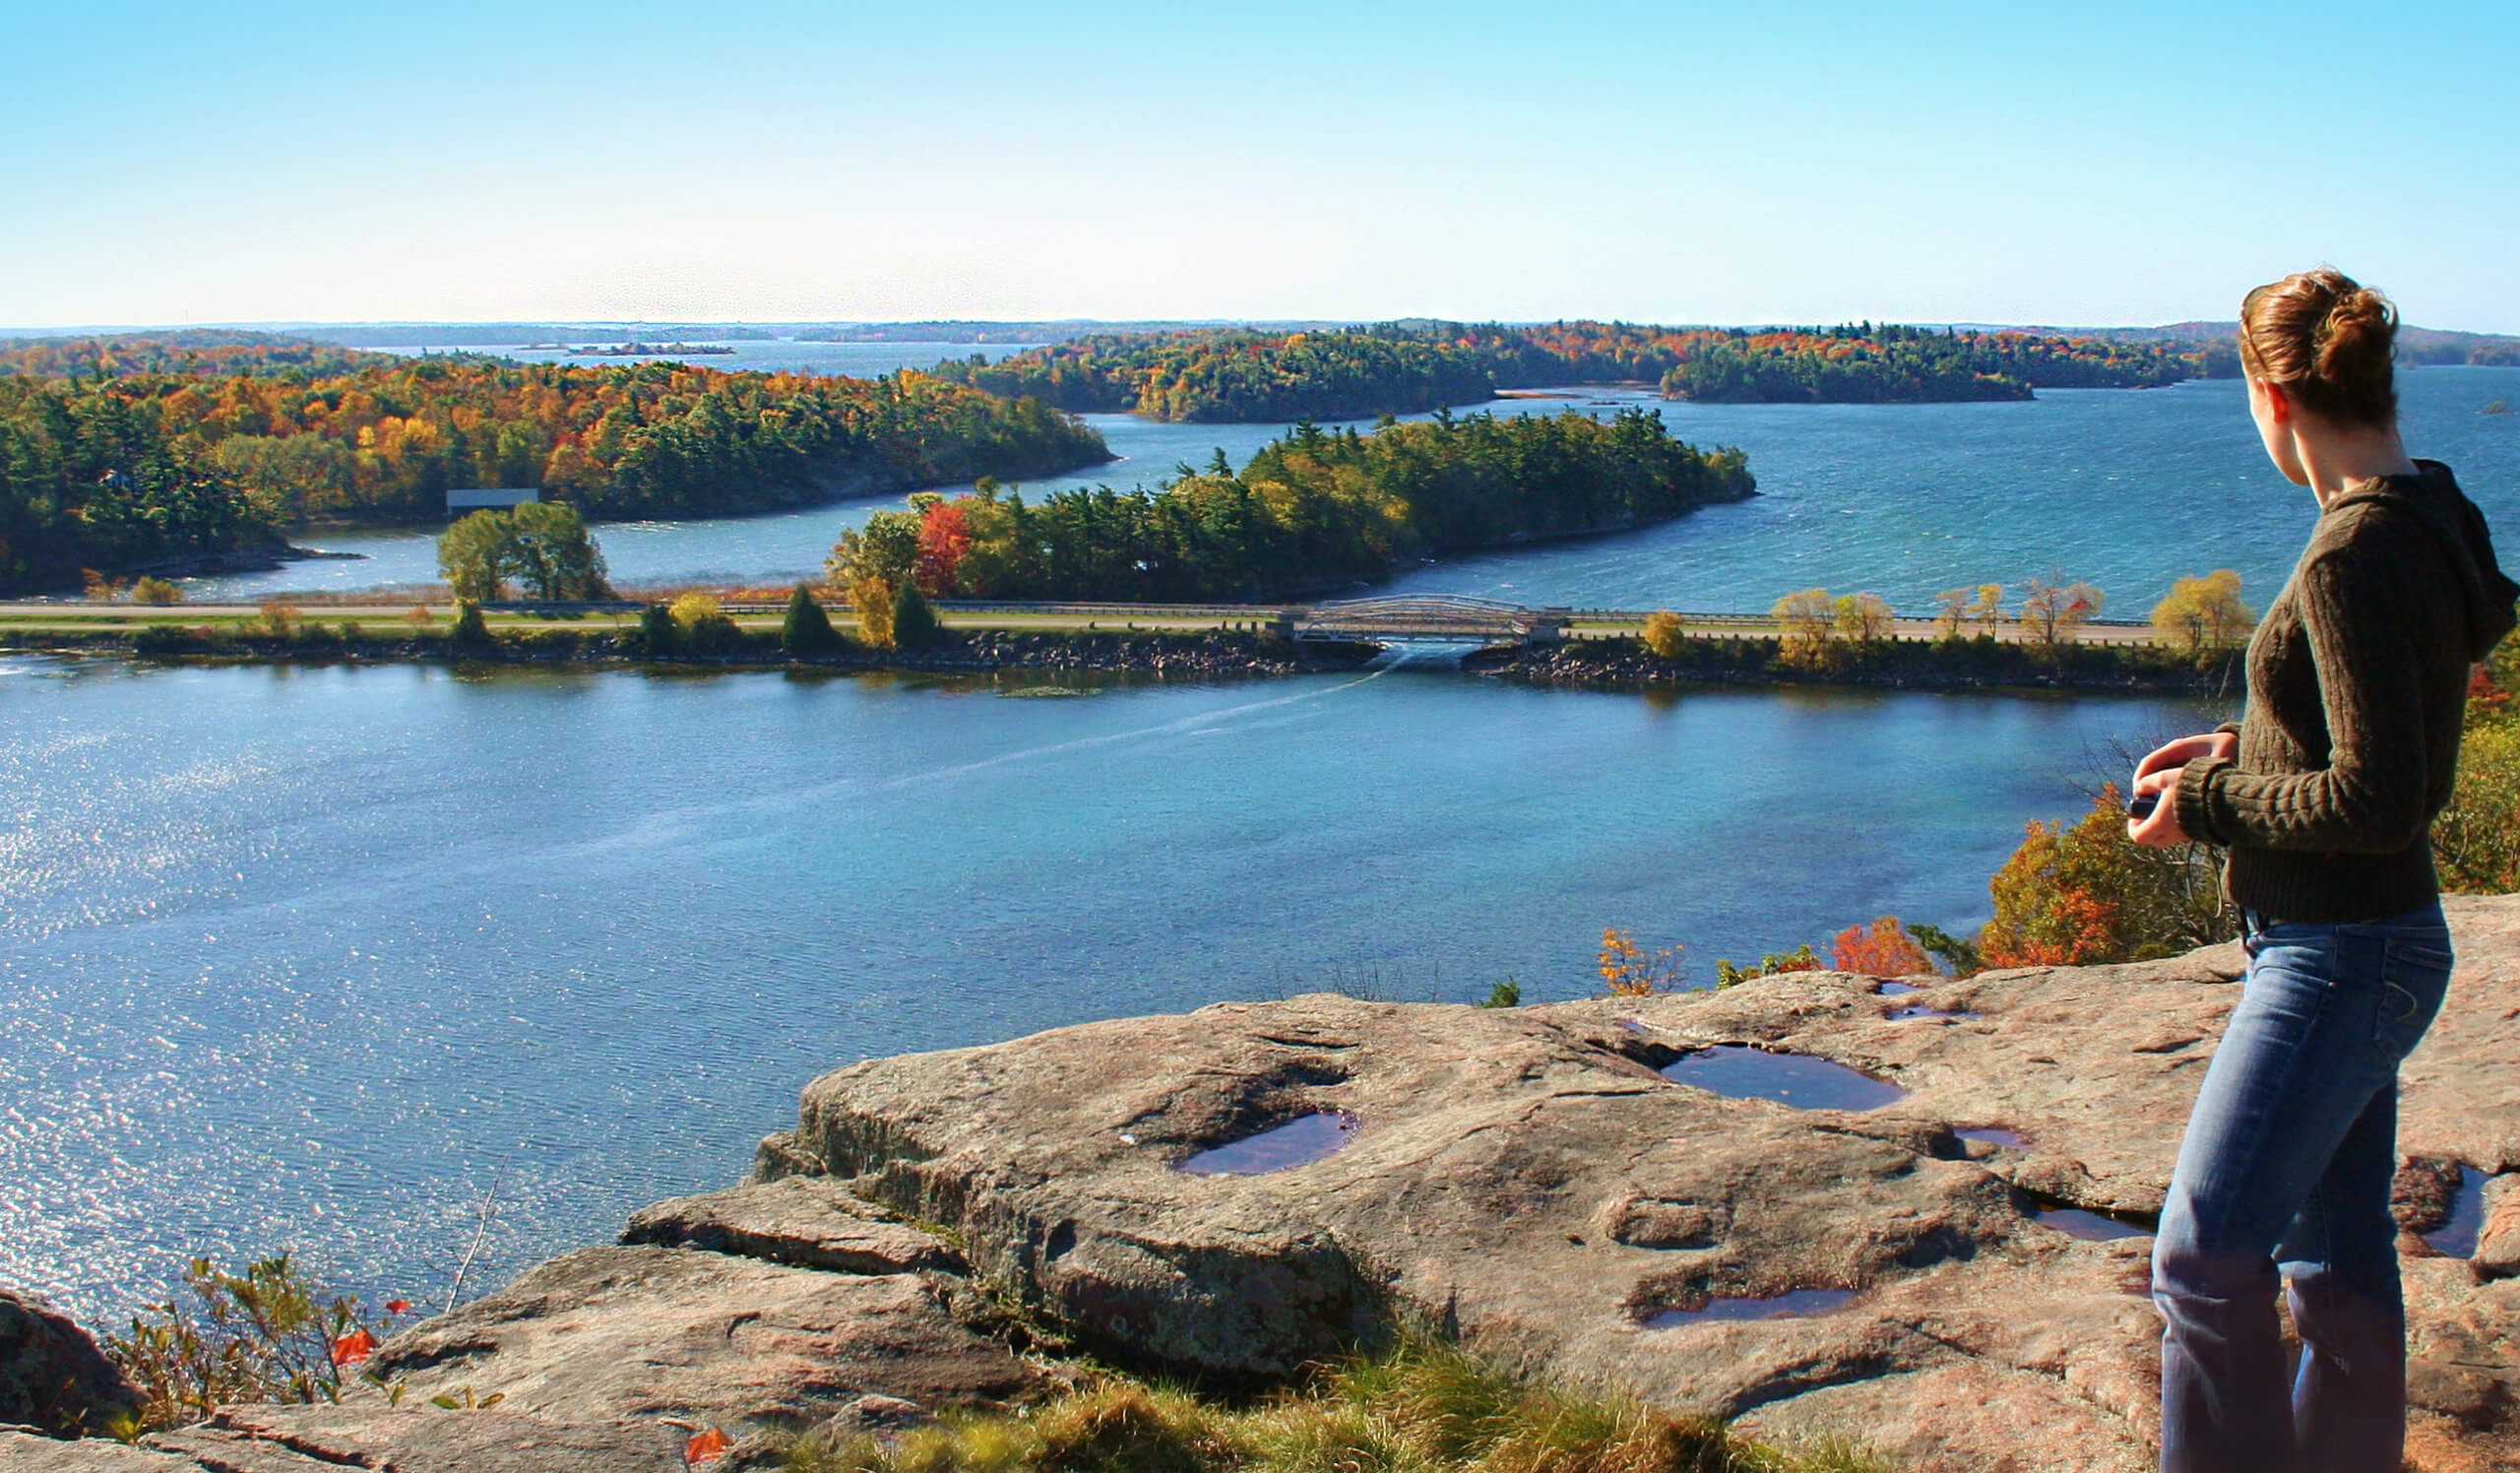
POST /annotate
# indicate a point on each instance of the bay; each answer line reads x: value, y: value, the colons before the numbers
x: 319, y: 958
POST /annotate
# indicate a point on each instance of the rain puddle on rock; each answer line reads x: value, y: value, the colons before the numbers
x: 1796, y: 1079
x: 1297, y: 1142
x: 1920, y: 1010
x: 2090, y: 1227
x: 2457, y: 1238
x: 1896, y: 990
x: 1995, y: 1135
x: 1798, y: 1304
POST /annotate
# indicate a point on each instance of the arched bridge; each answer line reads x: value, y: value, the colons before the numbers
x: 1429, y: 616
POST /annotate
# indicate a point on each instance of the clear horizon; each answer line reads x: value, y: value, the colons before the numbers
x: 1120, y: 162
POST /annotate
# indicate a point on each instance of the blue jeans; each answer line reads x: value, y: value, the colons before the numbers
x: 2288, y: 1161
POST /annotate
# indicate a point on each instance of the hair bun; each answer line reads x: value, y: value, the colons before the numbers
x: 2328, y: 339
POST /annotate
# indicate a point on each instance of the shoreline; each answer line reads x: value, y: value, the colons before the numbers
x: 1602, y: 665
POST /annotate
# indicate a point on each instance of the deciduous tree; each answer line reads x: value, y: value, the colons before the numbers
x: 2074, y: 895
x: 870, y: 599
x: 1881, y: 949
x: 2052, y: 607
x: 1807, y: 616
x: 1663, y: 636
x: 2207, y: 612
x: 478, y: 556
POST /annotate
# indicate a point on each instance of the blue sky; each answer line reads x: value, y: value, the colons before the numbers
x: 2126, y: 163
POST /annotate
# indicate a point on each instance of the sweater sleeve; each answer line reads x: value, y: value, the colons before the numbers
x: 2370, y: 799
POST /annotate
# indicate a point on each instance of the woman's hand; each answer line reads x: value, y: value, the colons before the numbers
x: 2158, y: 774
x: 2187, y: 750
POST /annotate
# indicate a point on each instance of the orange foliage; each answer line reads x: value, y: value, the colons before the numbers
x: 707, y: 1447
x: 944, y: 536
x: 1882, y: 949
x: 353, y: 1349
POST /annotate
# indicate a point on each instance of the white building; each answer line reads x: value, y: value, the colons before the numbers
x: 476, y: 497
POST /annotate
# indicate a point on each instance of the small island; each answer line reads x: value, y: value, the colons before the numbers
x: 636, y: 349
x: 1240, y: 375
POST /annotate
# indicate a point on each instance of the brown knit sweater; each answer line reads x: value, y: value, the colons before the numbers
x: 2356, y: 689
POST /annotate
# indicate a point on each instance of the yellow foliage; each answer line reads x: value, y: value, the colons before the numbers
x: 2207, y: 612
x: 1629, y: 971
x: 873, y: 600
x: 1663, y: 635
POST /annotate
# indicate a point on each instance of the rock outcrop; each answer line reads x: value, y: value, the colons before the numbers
x: 52, y: 1377
x: 1527, y: 1179
x: 1954, y: 1271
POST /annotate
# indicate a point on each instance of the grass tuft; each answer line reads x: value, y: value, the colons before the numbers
x: 1426, y: 1407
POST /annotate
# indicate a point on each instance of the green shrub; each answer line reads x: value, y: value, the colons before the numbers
x: 469, y: 631
x: 2476, y: 840
x: 263, y: 1336
x: 156, y: 591
x: 702, y: 628
x: 1506, y: 993
x: 659, y: 635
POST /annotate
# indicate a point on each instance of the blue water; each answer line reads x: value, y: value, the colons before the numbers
x: 307, y: 956
x: 1794, y: 1304
x: 1796, y: 1079
x: 2124, y: 489
x: 1298, y: 1142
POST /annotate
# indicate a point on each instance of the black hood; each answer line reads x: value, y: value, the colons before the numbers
x: 2433, y: 495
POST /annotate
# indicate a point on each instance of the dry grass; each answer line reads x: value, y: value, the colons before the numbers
x: 1426, y: 1408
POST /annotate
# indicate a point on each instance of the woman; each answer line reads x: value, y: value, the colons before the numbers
x: 2324, y: 793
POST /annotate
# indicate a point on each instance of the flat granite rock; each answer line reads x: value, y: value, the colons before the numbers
x: 1526, y: 1178
x: 641, y: 1331
x: 28, y: 1451
x: 427, y: 1440
x: 812, y: 1222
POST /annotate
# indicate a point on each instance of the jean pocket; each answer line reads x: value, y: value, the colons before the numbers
x: 2413, y: 976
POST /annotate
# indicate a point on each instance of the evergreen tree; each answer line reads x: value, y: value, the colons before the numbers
x: 808, y: 629
x: 915, y: 625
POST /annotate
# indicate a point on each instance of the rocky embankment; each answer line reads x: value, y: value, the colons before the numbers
x: 1951, y: 1268
x: 1625, y: 665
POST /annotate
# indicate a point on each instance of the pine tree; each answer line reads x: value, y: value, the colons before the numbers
x: 915, y: 625
x: 808, y: 629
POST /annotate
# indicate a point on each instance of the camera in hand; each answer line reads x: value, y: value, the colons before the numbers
x: 2143, y: 805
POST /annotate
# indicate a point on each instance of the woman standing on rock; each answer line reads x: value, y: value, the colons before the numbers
x: 2324, y: 793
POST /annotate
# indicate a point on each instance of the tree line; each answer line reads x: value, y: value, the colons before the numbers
x: 191, y: 350
x: 1402, y: 367
x: 120, y: 471
x: 1314, y: 508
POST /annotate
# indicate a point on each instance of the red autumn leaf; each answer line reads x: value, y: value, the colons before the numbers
x: 352, y: 1348
x: 707, y: 1447
x: 398, y: 1307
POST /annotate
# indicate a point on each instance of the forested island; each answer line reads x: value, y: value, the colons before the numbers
x: 150, y: 468
x: 191, y: 350
x: 1406, y: 367
x: 1312, y: 509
